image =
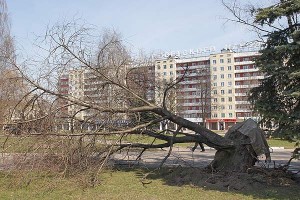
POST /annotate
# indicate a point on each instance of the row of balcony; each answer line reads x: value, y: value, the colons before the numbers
x: 246, y: 86
x: 248, y: 78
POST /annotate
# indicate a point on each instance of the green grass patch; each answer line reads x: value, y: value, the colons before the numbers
x: 123, y: 184
x: 276, y: 142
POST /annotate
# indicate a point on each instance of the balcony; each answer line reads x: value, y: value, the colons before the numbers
x: 241, y: 94
x: 190, y: 111
x: 242, y: 102
x: 249, y: 78
x: 246, y: 86
x: 246, y: 70
x: 180, y: 68
x: 244, y: 62
x: 193, y: 82
x: 242, y: 110
x: 189, y: 104
x: 188, y: 89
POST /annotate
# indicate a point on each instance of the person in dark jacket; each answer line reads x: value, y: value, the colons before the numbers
x: 201, y: 146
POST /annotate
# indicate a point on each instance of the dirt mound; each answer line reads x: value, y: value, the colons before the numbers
x: 254, y: 178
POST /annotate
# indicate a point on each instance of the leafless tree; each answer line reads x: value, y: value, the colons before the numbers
x: 104, y: 102
x: 12, y: 86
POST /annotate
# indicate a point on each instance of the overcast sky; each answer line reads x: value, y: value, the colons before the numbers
x: 152, y: 25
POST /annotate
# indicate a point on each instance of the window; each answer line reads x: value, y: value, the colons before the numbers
x: 221, y: 60
x: 230, y: 91
x: 165, y: 66
x: 215, y: 115
x: 214, y: 69
x: 223, y: 115
x: 222, y: 75
x: 222, y: 92
x: 215, y: 77
x: 171, y: 73
x: 215, y: 84
x: 214, y: 62
x: 237, y: 67
x: 229, y: 83
x: 230, y: 99
x: 215, y: 100
x: 229, y: 60
x: 222, y: 84
x: 229, y: 75
x: 230, y: 107
x: 222, y: 68
x: 158, y: 66
x: 222, y: 99
x: 230, y: 114
x: 222, y: 107
x: 229, y: 67
x: 214, y: 107
x: 171, y: 66
x: 165, y: 73
x: 215, y: 92
x: 246, y: 67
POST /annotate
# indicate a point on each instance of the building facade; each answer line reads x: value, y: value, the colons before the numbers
x: 215, y: 88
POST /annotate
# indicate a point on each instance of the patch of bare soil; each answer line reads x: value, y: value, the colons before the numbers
x: 255, y: 178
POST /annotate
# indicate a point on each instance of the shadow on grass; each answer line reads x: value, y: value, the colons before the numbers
x: 258, y: 184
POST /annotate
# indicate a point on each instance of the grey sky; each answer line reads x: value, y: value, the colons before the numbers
x: 148, y: 24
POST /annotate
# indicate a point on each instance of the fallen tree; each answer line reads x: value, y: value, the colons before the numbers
x: 101, y: 85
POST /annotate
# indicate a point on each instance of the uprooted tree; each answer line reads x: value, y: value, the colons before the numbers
x: 94, y: 90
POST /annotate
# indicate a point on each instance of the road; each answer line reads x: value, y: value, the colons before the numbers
x: 185, y: 157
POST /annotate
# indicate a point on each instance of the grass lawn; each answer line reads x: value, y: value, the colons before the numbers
x: 276, y: 142
x: 125, y: 184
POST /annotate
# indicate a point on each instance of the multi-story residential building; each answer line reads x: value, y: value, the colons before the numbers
x: 228, y: 77
x: 223, y: 96
x: 213, y: 92
x: 246, y: 76
x: 193, y: 94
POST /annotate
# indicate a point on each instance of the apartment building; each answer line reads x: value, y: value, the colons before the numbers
x: 223, y: 96
x: 227, y: 77
x: 213, y: 91
x: 193, y: 94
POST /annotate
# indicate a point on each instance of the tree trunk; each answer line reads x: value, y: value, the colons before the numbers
x: 239, y: 158
x: 237, y: 151
x: 249, y: 142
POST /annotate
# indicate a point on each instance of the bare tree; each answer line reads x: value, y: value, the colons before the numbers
x: 12, y: 86
x: 111, y: 105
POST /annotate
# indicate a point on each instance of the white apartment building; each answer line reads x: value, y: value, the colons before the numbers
x: 231, y: 76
